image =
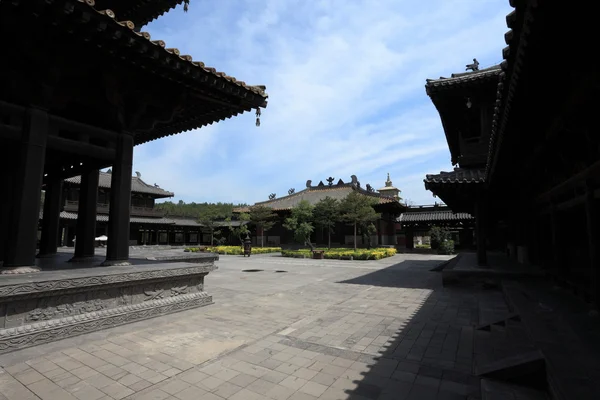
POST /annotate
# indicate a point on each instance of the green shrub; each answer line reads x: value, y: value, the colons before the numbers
x: 446, y: 247
x: 234, y: 250
x: 343, y: 254
x: 422, y: 246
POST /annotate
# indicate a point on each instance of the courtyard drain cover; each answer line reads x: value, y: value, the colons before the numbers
x: 280, y: 270
x: 252, y: 270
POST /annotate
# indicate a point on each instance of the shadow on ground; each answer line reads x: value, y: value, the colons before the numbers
x: 431, y: 356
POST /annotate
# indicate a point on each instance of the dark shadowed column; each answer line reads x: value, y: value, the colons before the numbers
x: 480, y: 217
x: 591, y: 208
x: 6, y: 200
x: 85, y: 230
x: 50, y: 223
x: 22, y: 241
x: 117, y: 252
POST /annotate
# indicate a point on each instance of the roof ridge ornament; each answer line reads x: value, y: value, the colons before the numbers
x: 291, y: 191
x: 272, y: 196
x: 330, y: 181
x: 474, y: 66
x: 388, y: 183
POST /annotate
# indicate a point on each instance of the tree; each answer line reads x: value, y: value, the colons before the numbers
x: 437, y: 236
x: 264, y: 219
x: 300, y: 222
x: 209, y: 218
x: 367, y: 231
x: 357, y: 210
x: 325, y: 214
x: 241, y: 230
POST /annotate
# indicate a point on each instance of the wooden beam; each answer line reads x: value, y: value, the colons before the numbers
x: 10, y: 132
x: 92, y: 131
x: 79, y: 148
x: 571, y: 183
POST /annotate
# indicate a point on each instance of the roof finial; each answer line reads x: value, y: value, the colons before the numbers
x: 474, y: 66
x: 388, y: 183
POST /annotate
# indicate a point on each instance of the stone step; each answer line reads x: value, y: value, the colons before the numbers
x: 497, y: 390
x: 513, y: 366
x: 500, y: 322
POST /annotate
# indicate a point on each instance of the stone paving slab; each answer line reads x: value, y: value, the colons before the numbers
x: 383, y: 329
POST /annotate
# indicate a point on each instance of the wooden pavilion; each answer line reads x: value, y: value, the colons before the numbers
x: 80, y: 87
x: 535, y: 185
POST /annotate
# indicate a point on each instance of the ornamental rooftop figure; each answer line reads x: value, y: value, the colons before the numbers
x: 389, y: 189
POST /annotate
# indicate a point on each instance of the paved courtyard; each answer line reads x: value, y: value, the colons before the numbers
x: 300, y: 329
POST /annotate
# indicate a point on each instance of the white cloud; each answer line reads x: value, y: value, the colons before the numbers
x: 346, y: 85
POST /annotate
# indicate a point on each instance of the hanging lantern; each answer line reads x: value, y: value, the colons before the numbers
x: 186, y: 3
x: 258, y: 116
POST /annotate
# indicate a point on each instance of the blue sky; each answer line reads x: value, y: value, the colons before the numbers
x: 345, y: 80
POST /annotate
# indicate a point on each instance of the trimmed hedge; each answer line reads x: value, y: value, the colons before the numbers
x: 343, y: 254
x: 233, y: 250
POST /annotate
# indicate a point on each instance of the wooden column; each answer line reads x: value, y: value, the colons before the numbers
x: 410, y: 238
x: 85, y: 230
x: 117, y: 251
x: 555, y: 241
x: 6, y: 200
x: 591, y: 210
x: 51, y: 221
x: 480, y: 216
x: 22, y: 241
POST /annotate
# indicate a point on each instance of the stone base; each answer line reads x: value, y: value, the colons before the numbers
x: 18, y: 270
x: 53, y: 305
x: 85, y: 259
x: 115, y: 263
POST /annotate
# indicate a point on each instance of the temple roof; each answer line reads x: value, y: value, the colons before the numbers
x: 434, y: 216
x: 463, y: 78
x: 459, y: 175
x: 137, y: 185
x: 314, y: 194
x: 199, y: 95
x: 140, y: 12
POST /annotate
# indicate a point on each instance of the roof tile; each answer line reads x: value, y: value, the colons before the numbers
x: 459, y: 175
x: 137, y: 185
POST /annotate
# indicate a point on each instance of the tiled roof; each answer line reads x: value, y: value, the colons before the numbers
x: 514, y: 54
x: 104, y: 218
x: 316, y: 193
x: 483, y: 75
x: 192, y: 222
x: 137, y: 185
x: 459, y: 175
x: 139, y: 11
x: 158, y: 58
x: 433, y: 216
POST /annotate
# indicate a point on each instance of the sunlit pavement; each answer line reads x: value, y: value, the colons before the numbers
x: 294, y: 329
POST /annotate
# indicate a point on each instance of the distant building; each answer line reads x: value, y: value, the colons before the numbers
x: 388, y: 205
x: 148, y: 225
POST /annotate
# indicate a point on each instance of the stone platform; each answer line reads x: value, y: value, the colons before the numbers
x: 464, y: 270
x: 68, y: 299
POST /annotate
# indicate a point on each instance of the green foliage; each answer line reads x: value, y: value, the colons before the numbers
x: 263, y: 218
x: 437, y: 236
x: 422, y: 246
x: 357, y: 210
x: 209, y: 218
x: 183, y: 209
x: 240, y: 231
x: 343, y: 254
x: 300, y: 222
x: 446, y: 247
x: 326, y: 214
x: 367, y: 231
x: 233, y: 250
